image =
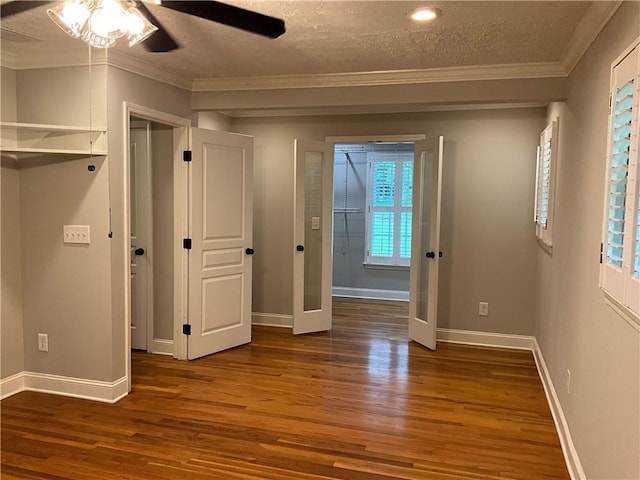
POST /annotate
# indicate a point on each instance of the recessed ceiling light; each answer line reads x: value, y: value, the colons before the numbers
x: 424, y: 14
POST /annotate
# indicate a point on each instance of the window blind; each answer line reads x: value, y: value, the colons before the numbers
x: 621, y: 116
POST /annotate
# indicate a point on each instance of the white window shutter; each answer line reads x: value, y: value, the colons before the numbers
x: 621, y: 232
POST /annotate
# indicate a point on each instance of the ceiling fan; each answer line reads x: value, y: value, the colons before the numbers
x: 79, y: 19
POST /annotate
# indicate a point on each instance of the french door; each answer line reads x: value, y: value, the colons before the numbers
x: 425, y: 241
x: 312, y: 230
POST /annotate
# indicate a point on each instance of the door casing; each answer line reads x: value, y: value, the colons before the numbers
x: 180, y: 143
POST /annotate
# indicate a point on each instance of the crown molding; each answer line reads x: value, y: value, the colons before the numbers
x: 374, y: 109
x: 7, y: 59
x: 48, y: 59
x: 121, y: 60
x: 588, y: 29
x: 396, y: 77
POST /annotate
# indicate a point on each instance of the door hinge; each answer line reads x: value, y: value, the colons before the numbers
x: 186, y: 329
x: 186, y: 243
x: 186, y: 156
x: 601, y: 251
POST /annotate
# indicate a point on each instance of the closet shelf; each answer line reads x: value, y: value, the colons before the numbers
x: 26, y: 139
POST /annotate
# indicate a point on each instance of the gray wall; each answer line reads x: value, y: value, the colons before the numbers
x: 576, y: 330
x: 128, y: 87
x: 11, y: 325
x: 349, y: 249
x: 65, y: 288
x: 12, y: 344
x: 487, y: 232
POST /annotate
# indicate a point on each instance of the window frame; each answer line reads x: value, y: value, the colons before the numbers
x: 544, y: 228
x: 620, y: 285
x: 395, y: 262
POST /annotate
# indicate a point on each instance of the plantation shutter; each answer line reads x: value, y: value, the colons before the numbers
x: 621, y: 248
x: 547, y: 157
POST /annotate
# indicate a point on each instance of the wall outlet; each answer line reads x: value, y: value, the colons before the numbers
x: 483, y: 309
x: 568, y: 381
x: 43, y: 342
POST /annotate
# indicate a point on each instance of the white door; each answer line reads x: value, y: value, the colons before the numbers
x: 425, y: 241
x: 312, y: 237
x: 221, y: 231
x: 140, y: 195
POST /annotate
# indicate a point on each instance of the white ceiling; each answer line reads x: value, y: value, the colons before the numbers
x: 337, y: 37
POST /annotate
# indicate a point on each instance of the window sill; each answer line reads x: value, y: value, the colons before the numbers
x: 547, y: 247
x: 382, y: 266
x: 627, y: 315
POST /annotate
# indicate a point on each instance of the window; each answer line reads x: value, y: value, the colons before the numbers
x: 388, y: 219
x: 545, y: 182
x: 620, y: 272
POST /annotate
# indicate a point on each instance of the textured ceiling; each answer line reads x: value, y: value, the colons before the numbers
x: 325, y: 37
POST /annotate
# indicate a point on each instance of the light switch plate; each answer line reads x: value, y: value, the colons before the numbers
x: 315, y: 223
x: 76, y: 234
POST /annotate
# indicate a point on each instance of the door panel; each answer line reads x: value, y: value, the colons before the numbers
x: 221, y: 226
x: 139, y: 180
x: 425, y: 241
x: 312, y: 261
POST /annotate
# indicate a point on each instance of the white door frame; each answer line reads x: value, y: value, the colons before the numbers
x: 180, y: 143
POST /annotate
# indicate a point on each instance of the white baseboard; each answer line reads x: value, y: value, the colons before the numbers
x: 11, y: 385
x: 370, y: 293
x: 162, y: 347
x: 571, y: 457
x: 109, y: 392
x: 468, y: 337
x: 272, y: 319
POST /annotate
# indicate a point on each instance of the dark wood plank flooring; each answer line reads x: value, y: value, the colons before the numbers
x: 360, y: 402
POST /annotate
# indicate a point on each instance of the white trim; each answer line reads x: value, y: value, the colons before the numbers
x: 11, y: 385
x: 180, y: 133
x: 486, y: 339
x: 375, y: 138
x: 391, y: 77
x: 145, y: 69
x: 109, y: 392
x: 272, y: 319
x: 588, y: 29
x: 566, y: 442
x: 625, y: 313
x: 371, y: 293
x: 161, y: 346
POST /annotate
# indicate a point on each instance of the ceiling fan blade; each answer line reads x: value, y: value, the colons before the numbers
x: 229, y: 15
x: 12, y: 8
x: 159, y: 41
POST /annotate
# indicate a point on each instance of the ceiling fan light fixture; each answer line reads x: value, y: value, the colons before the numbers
x: 425, y: 14
x: 138, y: 26
x: 97, y: 41
x: 109, y: 19
x: 71, y: 16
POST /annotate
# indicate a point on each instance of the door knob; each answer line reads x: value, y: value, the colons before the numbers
x: 249, y: 251
x: 440, y: 254
x: 139, y: 252
x: 431, y: 255
x: 300, y: 248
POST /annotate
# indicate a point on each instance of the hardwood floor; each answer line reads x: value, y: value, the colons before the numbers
x: 360, y: 402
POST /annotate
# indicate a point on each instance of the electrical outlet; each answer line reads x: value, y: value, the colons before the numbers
x: 43, y: 342
x: 568, y: 381
x: 483, y: 309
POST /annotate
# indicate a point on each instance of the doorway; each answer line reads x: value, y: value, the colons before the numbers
x: 151, y: 225
x: 402, y: 220
x: 372, y: 196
